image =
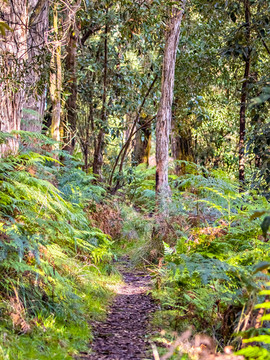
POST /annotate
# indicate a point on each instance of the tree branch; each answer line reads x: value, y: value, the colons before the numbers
x: 125, y: 146
x: 90, y: 32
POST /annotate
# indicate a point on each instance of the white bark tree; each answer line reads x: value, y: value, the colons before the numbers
x: 13, y: 57
x: 20, y: 47
x: 164, y: 115
x: 56, y: 79
x: 38, y: 25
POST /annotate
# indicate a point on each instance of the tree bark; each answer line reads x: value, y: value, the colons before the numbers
x: 33, y: 109
x: 165, y: 107
x: 71, y: 104
x: 98, y: 154
x: 56, y: 80
x: 13, y: 57
x: 244, y: 93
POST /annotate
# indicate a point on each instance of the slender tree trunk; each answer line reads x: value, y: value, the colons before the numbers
x: 71, y: 104
x: 244, y: 93
x: 13, y: 57
x: 128, y: 126
x: 165, y: 108
x: 56, y: 80
x: 89, y: 126
x: 98, y: 154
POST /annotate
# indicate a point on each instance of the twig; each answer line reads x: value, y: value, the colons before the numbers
x: 263, y: 41
x: 155, y: 352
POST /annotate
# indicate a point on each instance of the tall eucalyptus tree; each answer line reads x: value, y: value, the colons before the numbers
x: 35, y: 96
x: 21, y: 66
x: 164, y: 115
x: 13, y: 57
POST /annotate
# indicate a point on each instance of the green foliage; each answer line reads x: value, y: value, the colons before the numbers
x: 265, y: 225
x: 140, y: 189
x: 4, y: 28
x: 259, y: 339
x: 39, y: 200
x: 28, y: 139
x: 4, y: 137
x: 209, y: 269
x: 77, y: 187
x: 255, y: 353
x: 50, y: 256
x: 49, y: 253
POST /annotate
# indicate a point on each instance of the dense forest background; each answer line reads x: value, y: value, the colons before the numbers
x: 142, y: 128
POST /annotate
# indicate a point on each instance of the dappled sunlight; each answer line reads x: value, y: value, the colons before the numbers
x: 134, y: 180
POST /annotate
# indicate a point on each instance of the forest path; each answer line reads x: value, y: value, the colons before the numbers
x: 122, y: 336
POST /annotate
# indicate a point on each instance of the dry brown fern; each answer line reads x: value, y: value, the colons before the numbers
x: 18, y: 313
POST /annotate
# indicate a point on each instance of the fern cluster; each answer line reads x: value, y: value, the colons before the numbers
x: 209, y: 277
x: 48, y: 249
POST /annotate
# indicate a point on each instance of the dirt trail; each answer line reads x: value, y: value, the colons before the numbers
x: 123, y: 335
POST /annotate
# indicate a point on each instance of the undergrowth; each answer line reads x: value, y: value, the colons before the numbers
x: 208, y: 277
x: 56, y: 269
x: 58, y: 229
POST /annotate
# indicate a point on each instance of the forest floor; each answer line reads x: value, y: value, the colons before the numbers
x: 125, y: 333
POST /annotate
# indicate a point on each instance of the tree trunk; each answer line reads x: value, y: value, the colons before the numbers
x: 56, y: 80
x: 71, y: 104
x: 98, y: 154
x: 13, y: 56
x: 244, y: 91
x: 33, y: 109
x: 143, y: 143
x: 165, y: 108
